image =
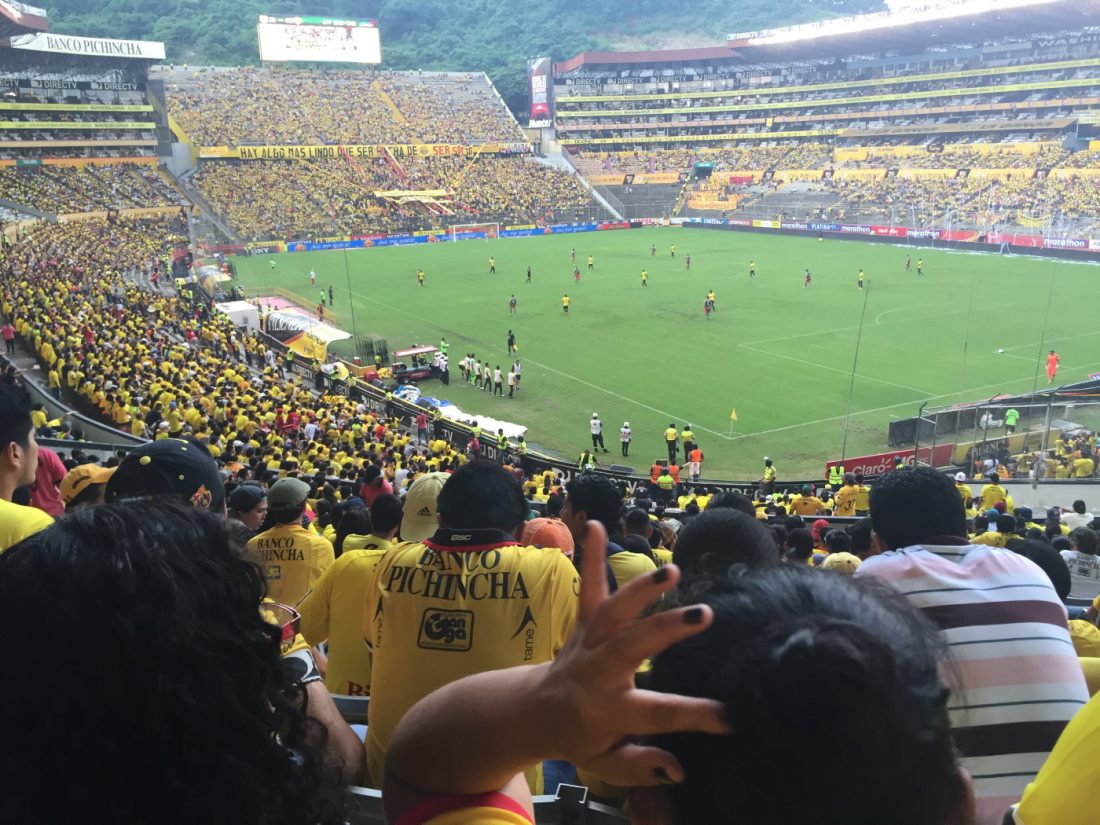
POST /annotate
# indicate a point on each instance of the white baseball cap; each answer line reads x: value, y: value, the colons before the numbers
x: 960, y: 476
x: 594, y: 415
x: 626, y: 423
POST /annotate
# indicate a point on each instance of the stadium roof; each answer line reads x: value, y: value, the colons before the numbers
x: 872, y: 34
x: 17, y: 18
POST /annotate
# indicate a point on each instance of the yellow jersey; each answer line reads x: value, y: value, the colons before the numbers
x: 964, y: 491
x: 991, y: 494
x: 18, y: 522
x: 628, y: 565
x: 844, y: 502
x: 483, y: 809
x: 863, y: 498
x: 292, y: 558
x: 806, y: 505
x: 1064, y: 790
x: 462, y: 602
x: 333, y: 612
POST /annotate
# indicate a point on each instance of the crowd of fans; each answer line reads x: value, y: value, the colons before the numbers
x: 256, y: 486
x: 89, y: 188
x: 219, y: 107
x: 324, y: 198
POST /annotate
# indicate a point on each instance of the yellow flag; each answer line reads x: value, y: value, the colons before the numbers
x: 733, y: 415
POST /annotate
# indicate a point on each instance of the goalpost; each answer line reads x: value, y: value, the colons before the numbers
x: 467, y: 231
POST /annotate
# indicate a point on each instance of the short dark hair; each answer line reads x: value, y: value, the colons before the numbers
x: 482, y: 494
x: 1079, y: 506
x: 733, y: 500
x: 1006, y: 523
x: 800, y: 544
x: 385, y: 512
x: 554, y: 503
x: 860, y: 534
x: 916, y: 504
x: 1048, y: 560
x: 716, y: 540
x: 636, y: 520
x: 15, y: 416
x: 598, y: 497
x: 1085, y: 540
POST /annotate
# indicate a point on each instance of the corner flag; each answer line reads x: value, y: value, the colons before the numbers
x: 733, y: 415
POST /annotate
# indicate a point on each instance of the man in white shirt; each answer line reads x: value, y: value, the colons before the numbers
x: 624, y: 437
x: 1078, y: 518
x: 1083, y: 564
x: 597, y: 434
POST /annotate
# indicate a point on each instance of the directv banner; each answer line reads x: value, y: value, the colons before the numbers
x: 81, y: 85
x: 89, y: 46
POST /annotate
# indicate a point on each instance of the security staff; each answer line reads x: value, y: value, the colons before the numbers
x: 688, y: 437
x: 671, y: 437
x: 836, y: 477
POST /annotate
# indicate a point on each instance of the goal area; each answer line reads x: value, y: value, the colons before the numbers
x: 473, y: 231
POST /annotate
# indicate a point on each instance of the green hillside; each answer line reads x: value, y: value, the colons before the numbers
x: 476, y: 35
x: 780, y: 353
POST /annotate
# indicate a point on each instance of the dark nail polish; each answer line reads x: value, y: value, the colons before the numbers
x: 663, y: 777
x: 661, y: 576
x: 693, y: 615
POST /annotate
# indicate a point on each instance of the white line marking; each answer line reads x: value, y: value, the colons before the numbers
x: 835, y: 369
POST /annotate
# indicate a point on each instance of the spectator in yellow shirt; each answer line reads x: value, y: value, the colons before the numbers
x: 18, y: 465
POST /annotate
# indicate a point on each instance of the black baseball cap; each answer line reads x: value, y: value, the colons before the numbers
x: 170, y: 467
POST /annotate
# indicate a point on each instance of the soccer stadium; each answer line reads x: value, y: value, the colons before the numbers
x: 357, y: 425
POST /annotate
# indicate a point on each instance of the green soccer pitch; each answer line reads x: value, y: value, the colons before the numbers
x: 778, y: 352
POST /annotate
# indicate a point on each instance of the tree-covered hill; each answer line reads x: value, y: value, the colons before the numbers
x: 496, y: 36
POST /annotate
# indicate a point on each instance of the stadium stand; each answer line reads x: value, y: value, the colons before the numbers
x: 235, y: 107
x: 90, y: 310
x: 781, y: 133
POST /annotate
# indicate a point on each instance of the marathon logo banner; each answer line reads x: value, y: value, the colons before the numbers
x: 425, y: 150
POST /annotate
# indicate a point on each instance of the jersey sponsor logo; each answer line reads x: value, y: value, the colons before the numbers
x: 527, y: 627
x: 446, y: 630
x: 273, y: 572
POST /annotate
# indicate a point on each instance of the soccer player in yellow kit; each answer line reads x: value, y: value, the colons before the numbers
x: 565, y: 304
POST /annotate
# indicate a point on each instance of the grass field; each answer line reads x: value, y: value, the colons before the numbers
x: 779, y: 353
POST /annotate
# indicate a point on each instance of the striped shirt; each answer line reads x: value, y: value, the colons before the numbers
x: 1014, y: 674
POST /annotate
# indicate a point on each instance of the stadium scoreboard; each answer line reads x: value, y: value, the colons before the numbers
x: 318, y: 40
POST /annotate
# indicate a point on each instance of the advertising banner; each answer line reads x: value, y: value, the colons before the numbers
x: 89, y: 46
x: 882, y: 463
x: 856, y: 230
x: 889, y: 231
x: 358, y: 151
x: 759, y: 224
x: 65, y: 125
x: 567, y: 228
x: 541, y: 86
x: 76, y: 107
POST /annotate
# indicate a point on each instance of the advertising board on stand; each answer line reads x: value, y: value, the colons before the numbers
x: 881, y: 463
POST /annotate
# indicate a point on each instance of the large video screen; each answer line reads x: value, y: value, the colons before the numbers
x: 318, y: 39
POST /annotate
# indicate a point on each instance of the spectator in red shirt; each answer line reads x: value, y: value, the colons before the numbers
x: 45, y: 492
x: 7, y: 332
x: 422, y: 427
x: 374, y: 484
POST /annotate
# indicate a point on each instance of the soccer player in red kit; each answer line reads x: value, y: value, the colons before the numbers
x: 1052, y: 365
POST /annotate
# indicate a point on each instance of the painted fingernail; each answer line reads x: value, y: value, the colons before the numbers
x: 661, y: 576
x: 693, y: 615
x: 663, y: 777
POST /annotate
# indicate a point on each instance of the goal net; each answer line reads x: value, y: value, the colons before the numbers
x: 471, y: 231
